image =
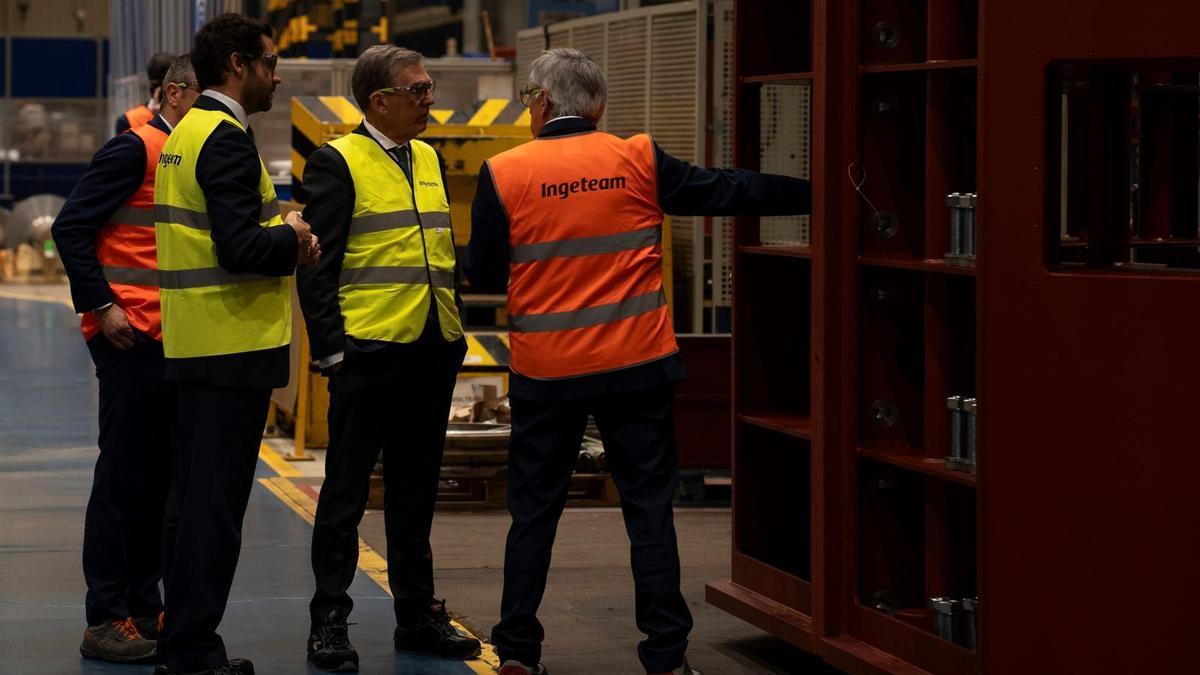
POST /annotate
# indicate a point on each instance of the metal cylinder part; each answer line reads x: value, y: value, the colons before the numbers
x: 968, y: 226
x: 971, y: 409
x: 954, y: 403
x: 956, y: 223
x: 970, y: 623
x: 944, y: 611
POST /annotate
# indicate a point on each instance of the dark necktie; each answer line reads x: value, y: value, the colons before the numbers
x: 400, y: 154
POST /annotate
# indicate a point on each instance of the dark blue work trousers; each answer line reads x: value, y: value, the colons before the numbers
x: 638, y: 430
x: 122, y: 531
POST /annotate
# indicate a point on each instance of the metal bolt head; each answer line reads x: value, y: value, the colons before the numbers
x: 884, y: 224
x: 886, y: 34
x: 884, y: 413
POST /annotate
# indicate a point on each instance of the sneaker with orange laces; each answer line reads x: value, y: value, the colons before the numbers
x: 118, y: 641
x: 149, y: 626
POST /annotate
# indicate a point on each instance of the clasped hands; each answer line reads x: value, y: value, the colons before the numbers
x: 310, y: 248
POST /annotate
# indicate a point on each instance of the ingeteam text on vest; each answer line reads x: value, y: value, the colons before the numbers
x: 566, y: 189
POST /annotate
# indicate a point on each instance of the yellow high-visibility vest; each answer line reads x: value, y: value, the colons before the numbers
x: 400, y: 249
x: 207, y: 310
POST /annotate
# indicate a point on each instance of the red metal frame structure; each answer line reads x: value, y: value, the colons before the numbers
x: 1081, y: 522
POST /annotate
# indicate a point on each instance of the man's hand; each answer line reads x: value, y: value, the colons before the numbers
x: 310, y: 248
x: 115, y: 326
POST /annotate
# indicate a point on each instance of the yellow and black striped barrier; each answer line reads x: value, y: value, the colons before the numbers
x: 486, y: 350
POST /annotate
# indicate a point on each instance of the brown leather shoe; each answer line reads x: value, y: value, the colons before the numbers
x: 118, y: 641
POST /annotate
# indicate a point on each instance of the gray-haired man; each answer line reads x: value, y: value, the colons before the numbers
x: 571, y: 225
x: 383, y: 321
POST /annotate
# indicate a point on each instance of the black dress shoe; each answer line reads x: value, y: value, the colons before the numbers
x: 432, y: 633
x: 234, y: 667
x: 329, y: 646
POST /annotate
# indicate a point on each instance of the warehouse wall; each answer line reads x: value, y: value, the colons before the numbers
x: 50, y: 125
x: 46, y: 18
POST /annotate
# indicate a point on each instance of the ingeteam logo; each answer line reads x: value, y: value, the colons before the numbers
x: 167, y: 159
x: 567, y: 188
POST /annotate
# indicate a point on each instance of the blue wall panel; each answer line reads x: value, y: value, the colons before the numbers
x: 50, y: 67
x: 104, y: 63
x: 32, y: 179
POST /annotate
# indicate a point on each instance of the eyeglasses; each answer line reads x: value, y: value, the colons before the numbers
x: 270, y: 60
x: 418, y: 91
x: 527, y: 95
x: 187, y: 85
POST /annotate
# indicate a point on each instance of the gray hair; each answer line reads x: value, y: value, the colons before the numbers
x: 572, y: 80
x: 180, y: 70
x: 375, y: 69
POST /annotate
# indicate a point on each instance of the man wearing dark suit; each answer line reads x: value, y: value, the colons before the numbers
x: 105, y: 237
x: 383, y: 323
x: 224, y: 258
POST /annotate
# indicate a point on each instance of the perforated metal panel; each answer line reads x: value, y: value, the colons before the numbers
x: 628, y: 111
x: 654, y: 59
x: 784, y: 146
x: 591, y: 40
x: 530, y: 43
x: 722, y: 125
x: 674, y: 76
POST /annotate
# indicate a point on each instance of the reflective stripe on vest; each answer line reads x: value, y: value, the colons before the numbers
x: 400, y: 249
x: 125, y: 249
x: 207, y: 310
x: 198, y: 220
x: 137, y: 117
x: 585, y: 292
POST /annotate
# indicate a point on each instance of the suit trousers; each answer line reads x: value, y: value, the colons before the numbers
x: 122, y: 531
x: 220, y: 431
x: 638, y: 430
x: 395, y: 401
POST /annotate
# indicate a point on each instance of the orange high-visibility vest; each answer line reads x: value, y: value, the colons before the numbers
x: 139, y: 116
x: 585, y: 290
x: 126, y: 250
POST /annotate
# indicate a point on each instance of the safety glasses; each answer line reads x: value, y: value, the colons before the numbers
x: 417, y: 91
x: 528, y: 94
x: 270, y: 60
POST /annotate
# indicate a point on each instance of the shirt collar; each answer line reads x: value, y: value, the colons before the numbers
x: 167, y: 124
x: 565, y: 126
x: 234, y: 107
x: 565, y: 117
x: 386, y: 142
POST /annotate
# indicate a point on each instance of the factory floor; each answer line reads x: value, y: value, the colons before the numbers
x: 47, y: 449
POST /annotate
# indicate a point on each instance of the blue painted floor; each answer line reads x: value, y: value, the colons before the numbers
x: 47, y: 449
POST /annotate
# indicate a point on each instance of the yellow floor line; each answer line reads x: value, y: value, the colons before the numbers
x: 15, y: 294
x: 370, y: 562
x: 276, y: 461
